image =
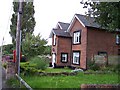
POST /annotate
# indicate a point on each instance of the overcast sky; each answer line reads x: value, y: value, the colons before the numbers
x: 47, y: 14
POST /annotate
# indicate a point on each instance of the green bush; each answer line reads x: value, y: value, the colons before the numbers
x: 40, y: 63
x: 27, y: 68
x: 113, y: 68
x: 34, y: 65
x: 4, y: 65
x: 12, y: 83
x: 93, y: 66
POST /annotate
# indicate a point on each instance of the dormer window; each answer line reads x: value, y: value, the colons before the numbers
x: 117, y: 39
x: 77, y: 37
x: 54, y: 40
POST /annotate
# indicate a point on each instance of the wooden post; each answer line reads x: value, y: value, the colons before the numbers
x: 18, y: 39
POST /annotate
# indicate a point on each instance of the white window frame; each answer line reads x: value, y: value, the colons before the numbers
x: 76, y: 37
x: 65, y: 55
x: 117, y: 39
x: 54, y: 40
x: 76, y: 57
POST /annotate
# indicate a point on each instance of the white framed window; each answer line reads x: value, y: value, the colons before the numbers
x: 76, y: 37
x: 54, y: 40
x: 76, y: 57
x: 64, y: 57
x: 117, y: 39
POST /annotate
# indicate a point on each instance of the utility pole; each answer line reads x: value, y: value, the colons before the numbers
x: 18, y: 37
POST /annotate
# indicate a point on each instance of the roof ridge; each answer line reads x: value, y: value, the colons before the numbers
x: 84, y: 15
x: 63, y: 22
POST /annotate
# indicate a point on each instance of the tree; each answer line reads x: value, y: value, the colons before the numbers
x: 8, y: 49
x: 106, y: 13
x: 33, y: 45
x: 47, y: 50
x: 28, y: 20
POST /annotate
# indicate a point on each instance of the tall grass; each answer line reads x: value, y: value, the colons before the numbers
x: 70, y: 81
x: 40, y: 62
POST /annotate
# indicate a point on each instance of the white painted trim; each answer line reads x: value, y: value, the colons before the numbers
x: 80, y: 21
x: 58, y: 24
x: 73, y: 21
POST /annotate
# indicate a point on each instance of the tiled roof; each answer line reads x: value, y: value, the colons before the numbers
x: 88, y: 21
x: 60, y: 32
x: 64, y: 25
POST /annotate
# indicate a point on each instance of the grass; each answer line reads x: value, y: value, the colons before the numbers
x: 70, y: 81
x: 12, y: 83
x: 57, y: 70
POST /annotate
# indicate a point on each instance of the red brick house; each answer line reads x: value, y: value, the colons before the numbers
x: 75, y: 43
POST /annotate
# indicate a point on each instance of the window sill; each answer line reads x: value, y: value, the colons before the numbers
x: 76, y: 63
x: 76, y: 43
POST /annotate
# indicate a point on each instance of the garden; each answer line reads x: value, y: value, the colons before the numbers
x: 37, y: 73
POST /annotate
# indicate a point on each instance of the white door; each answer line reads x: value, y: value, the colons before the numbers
x: 53, y: 60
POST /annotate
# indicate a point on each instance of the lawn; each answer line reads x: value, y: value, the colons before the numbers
x: 70, y: 81
x: 56, y: 70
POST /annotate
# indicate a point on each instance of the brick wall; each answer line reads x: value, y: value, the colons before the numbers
x: 64, y: 46
x: 82, y: 47
x: 99, y: 40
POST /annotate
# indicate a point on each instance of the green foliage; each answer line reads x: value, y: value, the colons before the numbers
x: 33, y: 66
x: 27, y: 69
x: 33, y: 45
x: 106, y: 13
x: 12, y: 83
x: 41, y: 63
x: 93, y: 66
x: 57, y: 70
x: 113, y: 68
x: 8, y: 49
x: 4, y: 65
x: 27, y: 22
x: 47, y: 50
x: 70, y: 81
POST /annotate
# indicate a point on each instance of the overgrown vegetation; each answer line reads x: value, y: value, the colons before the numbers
x: 12, y: 83
x: 4, y: 65
x: 40, y: 62
x: 34, y: 65
x: 70, y: 81
x: 112, y: 65
x: 93, y: 66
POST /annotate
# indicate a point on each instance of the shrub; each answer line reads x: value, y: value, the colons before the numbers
x: 93, y: 66
x: 113, y: 68
x: 4, y: 65
x: 12, y: 83
x: 40, y: 63
x: 27, y: 68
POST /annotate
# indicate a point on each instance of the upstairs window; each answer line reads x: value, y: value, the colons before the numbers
x: 76, y: 57
x: 77, y: 37
x: 64, y: 57
x: 118, y: 39
x: 54, y: 40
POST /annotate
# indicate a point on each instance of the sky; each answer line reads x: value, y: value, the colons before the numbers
x: 47, y: 14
